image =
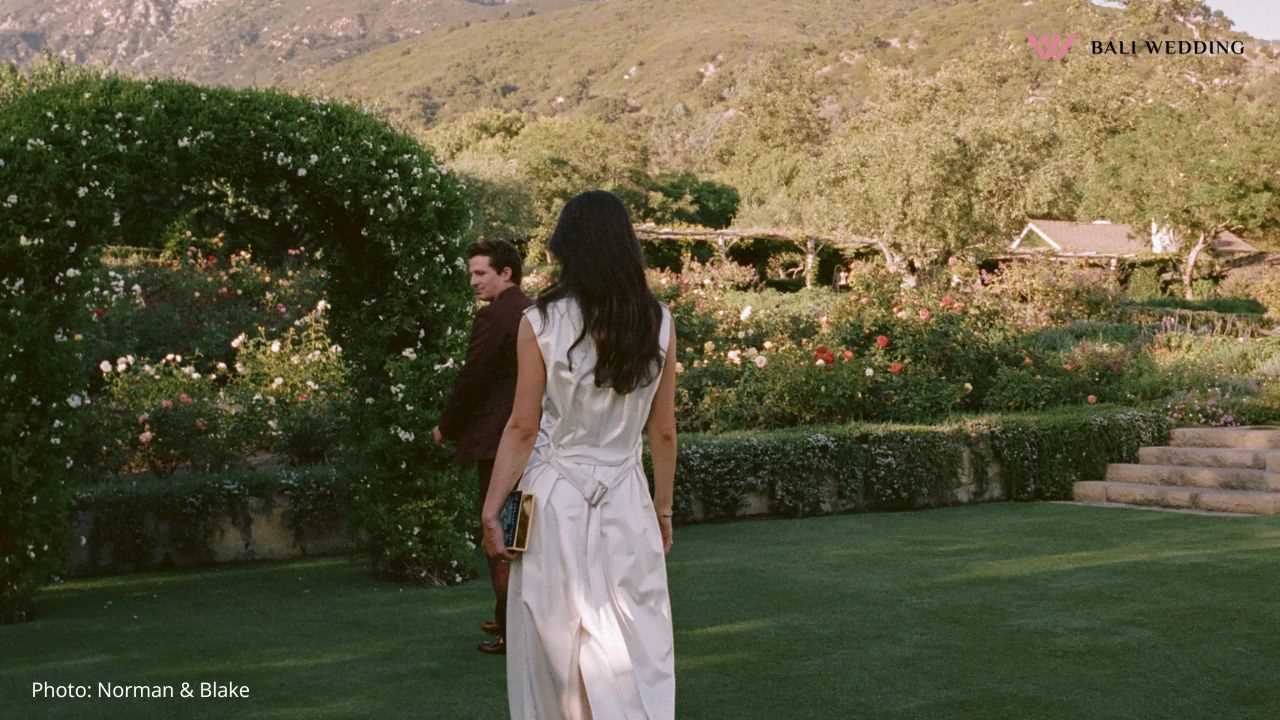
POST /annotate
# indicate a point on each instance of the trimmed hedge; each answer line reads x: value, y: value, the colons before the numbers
x: 795, y: 472
x: 899, y: 467
x: 132, y: 519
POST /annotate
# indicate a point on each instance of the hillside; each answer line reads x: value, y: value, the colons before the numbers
x: 429, y: 60
x: 683, y: 57
x: 233, y: 42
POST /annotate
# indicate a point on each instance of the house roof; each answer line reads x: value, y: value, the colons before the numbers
x: 1102, y: 238
x: 1229, y: 242
x: 1105, y: 238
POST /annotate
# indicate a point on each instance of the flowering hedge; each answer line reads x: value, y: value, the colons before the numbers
x: 88, y: 160
x: 896, y: 467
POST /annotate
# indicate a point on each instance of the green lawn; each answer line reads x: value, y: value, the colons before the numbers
x: 996, y: 611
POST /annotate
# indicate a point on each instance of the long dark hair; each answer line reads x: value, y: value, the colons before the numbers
x: 602, y: 267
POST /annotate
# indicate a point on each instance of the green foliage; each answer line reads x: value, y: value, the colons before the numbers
x: 1145, y: 283
x: 488, y: 127
x: 889, y: 467
x: 1206, y: 166
x: 1262, y: 284
x: 1052, y: 293
x: 693, y: 201
x: 133, y: 518
x: 90, y: 161
x: 766, y: 147
x: 1244, y: 306
x: 1041, y: 457
x: 428, y: 540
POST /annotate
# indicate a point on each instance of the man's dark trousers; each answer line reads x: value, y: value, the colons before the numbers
x: 499, y: 569
x: 480, y: 404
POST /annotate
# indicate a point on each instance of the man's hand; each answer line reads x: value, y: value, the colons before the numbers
x: 435, y: 435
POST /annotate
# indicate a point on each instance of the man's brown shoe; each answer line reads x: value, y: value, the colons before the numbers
x: 490, y: 627
x: 496, y: 646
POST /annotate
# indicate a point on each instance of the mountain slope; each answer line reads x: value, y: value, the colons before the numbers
x: 653, y: 56
x: 235, y: 42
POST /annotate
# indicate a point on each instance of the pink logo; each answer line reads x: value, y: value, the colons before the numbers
x: 1051, y: 47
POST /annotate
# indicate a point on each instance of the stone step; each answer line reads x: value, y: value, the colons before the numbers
x: 1190, y: 498
x: 1225, y: 478
x: 1262, y: 437
x: 1205, y: 457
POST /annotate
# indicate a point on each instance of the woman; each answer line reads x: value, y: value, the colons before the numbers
x: 588, y: 615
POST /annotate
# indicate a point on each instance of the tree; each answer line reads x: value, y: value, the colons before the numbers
x: 934, y: 166
x: 1199, y: 170
x: 561, y: 157
x: 769, y: 142
x: 476, y: 129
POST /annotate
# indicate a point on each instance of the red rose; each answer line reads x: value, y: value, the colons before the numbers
x: 1092, y: 399
x: 882, y: 341
x: 848, y: 355
x: 895, y: 368
x: 302, y: 397
x: 947, y: 300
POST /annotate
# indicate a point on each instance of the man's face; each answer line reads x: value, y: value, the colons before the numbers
x: 486, y: 283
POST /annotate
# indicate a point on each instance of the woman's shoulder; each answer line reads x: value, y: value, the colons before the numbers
x: 554, y: 310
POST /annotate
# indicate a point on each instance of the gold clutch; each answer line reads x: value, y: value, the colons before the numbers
x: 517, y: 520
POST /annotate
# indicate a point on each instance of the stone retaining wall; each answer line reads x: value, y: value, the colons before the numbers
x: 259, y: 534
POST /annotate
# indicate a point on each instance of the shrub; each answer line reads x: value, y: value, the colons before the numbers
x: 1260, y: 282
x: 133, y: 516
x: 1145, y: 282
x: 427, y: 538
x: 92, y: 159
x: 885, y: 467
x: 164, y: 416
x: 1052, y: 293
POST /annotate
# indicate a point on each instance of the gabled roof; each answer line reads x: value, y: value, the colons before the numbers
x: 1229, y: 242
x: 1105, y: 238
x: 1101, y: 238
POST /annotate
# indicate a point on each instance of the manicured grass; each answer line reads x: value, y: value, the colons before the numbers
x: 997, y: 611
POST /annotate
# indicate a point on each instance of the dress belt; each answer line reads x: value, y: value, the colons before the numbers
x: 591, y: 489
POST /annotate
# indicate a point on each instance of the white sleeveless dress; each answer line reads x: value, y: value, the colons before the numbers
x: 588, y: 602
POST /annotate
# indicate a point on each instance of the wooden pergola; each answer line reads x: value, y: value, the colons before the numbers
x: 810, y: 244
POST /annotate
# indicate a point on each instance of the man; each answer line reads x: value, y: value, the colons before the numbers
x: 480, y: 404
